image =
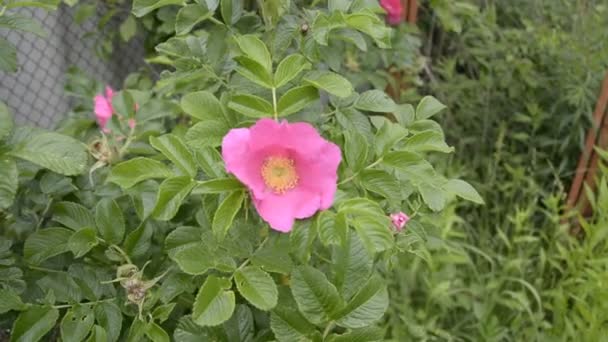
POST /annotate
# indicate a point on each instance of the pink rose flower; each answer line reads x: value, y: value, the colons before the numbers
x: 103, y: 107
x: 290, y: 170
x: 394, y: 10
x: 399, y: 220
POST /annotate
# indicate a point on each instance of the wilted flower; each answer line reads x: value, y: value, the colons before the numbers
x: 394, y: 11
x: 103, y: 107
x: 290, y: 169
x: 399, y: 220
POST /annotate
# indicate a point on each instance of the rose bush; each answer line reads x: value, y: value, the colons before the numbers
x: 247, y: 197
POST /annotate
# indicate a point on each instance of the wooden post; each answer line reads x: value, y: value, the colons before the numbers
x: 588, y: 163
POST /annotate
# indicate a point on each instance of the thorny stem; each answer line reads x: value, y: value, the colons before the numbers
x: 358, y: 172
x: 274, y: 103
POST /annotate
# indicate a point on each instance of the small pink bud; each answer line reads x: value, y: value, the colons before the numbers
x: 131, y: 123
x: 399, y: 220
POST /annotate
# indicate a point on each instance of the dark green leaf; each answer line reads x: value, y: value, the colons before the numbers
x: 190, y: 15
x: 257, y: 287
x: 33, y: 324
x: 203, y: 106
x: 110, y: 221
x: 172, y: 147
x: 9, y: 181
x: 287, y: 322
x: 171, y: 194
x: 131, y: 172
x: 351, y: 265
x: 109, y: 316
x: 230, y: 206
x: 355, y: 150
x: 81, y: 242
x: 289, y: 68
x: 143, y: 7
x: 367, y: 306
x: 6, y: 121
x: 216, y: 186
x: 296, y: 99
x: 157, y: 334
x: 231, y: 11
x: 46, y: 243
x: 73, y: 215
x: 252, y: 106
x: 317, y: 298
x: 214, y: 304
x: 206, y: 133
x: 9, y: 300
x: 76, y: 324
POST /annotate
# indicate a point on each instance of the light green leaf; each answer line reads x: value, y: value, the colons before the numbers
x: 82, y: 241
x: 98, y: 334
x: 274, y: 256
x: 463, y: 190
x: 190, y: 15
x: 433, y: 196
x: 194, y: 258
x: 381, y: 183
x: 8, y: 56
x: 171, y: 194
x: 330, y: 82
x: 9, y: 300
x: 9, y: 181
x: 367, y: 306
x: 131, y: 172
x: 227, y: 210
x: 46, y: 243
x: 351, y: 265
x: 162, y: 312
x: 325, y: 223
x: 254, y: 71
x: 213, y: 304
x: 257, y: 287
x: 355, y: 150
x: 172, y: 147
x: 290, y: 67
x: 33, y: 324
x: 401, y: 159
x: 56, y: 152
x: 84, y: 12
x: 16, y: 22
x: 110, y: 221
x: 428, y: 141
x: 339, y: 5
x: 428, y: 107
x: 157, y: 334
x: 297, y: 99
x: 203, y: 106
x: 73, y: 215
x: 143, y: 7
x: 317, y: 298
x: 210, y: 4
x: 124, y: 104
x: 254, y: 48
x: 76, y: 324
x: 231, y: 11
x: 216, y: 186
x: 251, y: 106
x: 370, y: 24
x: 324, y: 24
x: 375, y: 101
x: 367, y: 334
x: 206, y: 133
x: 109, y: 316
x: 128, y: 28
x: 6, y: 121
x: 388, y: 136
x: 287, y: 323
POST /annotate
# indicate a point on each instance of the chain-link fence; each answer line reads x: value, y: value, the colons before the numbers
x: 35, y: 93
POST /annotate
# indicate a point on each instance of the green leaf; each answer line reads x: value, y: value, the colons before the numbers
x: 301, y: 240
x: 254, y: 71
x: 257, y: 287
x: 81, y: 242
x: 274, y: 256
x: 131, y: 172
x: 157, y: 334
x: 8, y: 56
x: 128, y: 28
x: 428, y: 141
x: 330, y: 82
x: 46, y: 243
x: 9, y: 300
x: 255, y: 49
x: 375, y: 101
x: 463, y: 190
x: 325, y: 223
x: 6, y: 121
x: 355, y: 150
x: 109, y: 316
x: 110, y: 221
x: 290, y: 67
x: 190, y: 15
x: 210, y: 4
x: 124, y: 104
x: 210, y: 161
x: 296, y: 99
x: 240, y: 327
x: 98, y: 334
x: 76, y: 324
x: 56, y: 152
x: 9, y: 181
x: 286, y: 322
x: 324, y: 24
x: 62, y: 286
x: 161, y: 313
x: 194, y: 258
x: 381, y: 183
x: 433, y: 196
x: 367, y: 334
x: 33, y: 324
x: 351, y: 265
x: 16, y: 22
x: 231, y: 11
x: 388, y: 136
x: 216, y: 186
x: 428, y: 107
x: 401, y: 159
x: 367, y: 306
x: 206, y: 133
x: 203, y: 106
x: 73, y: 215
x: 172, y: 147
x: 370, y: 24
x: 227, y: 210
x: 213, y: 304
x: 143, y: 7
x: 339, y: 5
x: 171, y: 194
x: 84, y: 12
x: 370, y: 222
x: 137, y: 330
x: 317, y: 298
x: 251, y: 106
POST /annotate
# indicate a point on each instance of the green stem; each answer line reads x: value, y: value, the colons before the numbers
x: 358, y: 172
x: 85, y: 303
x: 274, y: 103
x: 44, y: 269
x: 328, y: 329
x: 46, y: 209
x: 128, y: 142
x: 246, y: 262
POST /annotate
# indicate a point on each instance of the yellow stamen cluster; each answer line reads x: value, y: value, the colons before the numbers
x: 279, y: 174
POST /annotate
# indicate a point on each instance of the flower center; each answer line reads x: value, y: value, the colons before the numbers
x: 279, y: 174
